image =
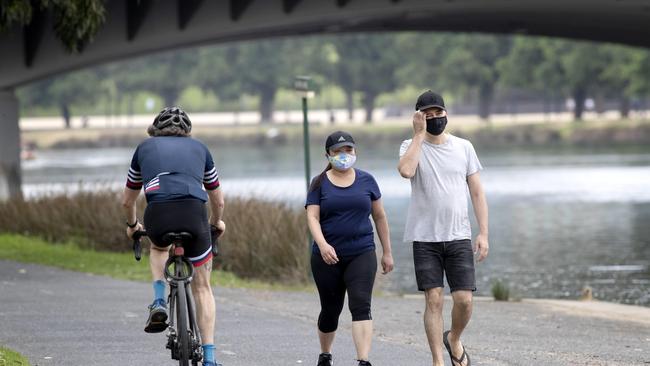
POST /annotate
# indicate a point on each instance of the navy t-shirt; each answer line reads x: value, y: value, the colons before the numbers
x: 345, y: 213
x: 171, y: 167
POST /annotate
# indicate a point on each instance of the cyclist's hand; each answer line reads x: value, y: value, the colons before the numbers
x: 131, y: 231
x: 221, y: 227
x: 329, y: 254
x: 216, y: 231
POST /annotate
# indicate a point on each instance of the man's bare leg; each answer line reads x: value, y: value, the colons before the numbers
x: 460, y: 316
x: 205, y: 307
x: 433, y: 323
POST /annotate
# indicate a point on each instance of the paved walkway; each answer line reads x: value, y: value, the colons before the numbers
x: 57, y: 317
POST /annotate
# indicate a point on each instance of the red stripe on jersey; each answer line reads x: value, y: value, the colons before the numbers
x: 132, y: 185
x: 212, y: 186
x: 152, y: 188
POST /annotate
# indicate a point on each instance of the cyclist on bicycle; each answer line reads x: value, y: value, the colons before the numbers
x: 172, y: 166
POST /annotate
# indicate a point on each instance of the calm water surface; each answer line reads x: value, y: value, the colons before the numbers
x: 559, y: 219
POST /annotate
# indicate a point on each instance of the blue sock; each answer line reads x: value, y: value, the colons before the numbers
x: 159, y: 289
x: 208, y: 353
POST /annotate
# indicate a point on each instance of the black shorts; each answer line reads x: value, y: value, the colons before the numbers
x: 453, y: 258
x: 188, y: 215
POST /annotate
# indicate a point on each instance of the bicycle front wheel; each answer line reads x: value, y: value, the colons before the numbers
x: 184, y: 349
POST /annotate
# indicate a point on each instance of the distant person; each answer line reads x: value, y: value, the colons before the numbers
x: 339, y: 204
x: 174, y: 168
x: 441, y: 168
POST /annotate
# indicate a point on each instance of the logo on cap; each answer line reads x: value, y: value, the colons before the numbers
x: 341, y: 139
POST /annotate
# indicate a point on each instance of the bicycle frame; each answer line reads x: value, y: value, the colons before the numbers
x: 179, y: 272
x: 179, y: 279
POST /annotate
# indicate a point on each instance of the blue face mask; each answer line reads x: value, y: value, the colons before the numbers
x: 342, y: 161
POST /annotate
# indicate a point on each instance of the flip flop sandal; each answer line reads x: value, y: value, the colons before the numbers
x: 455, y: 361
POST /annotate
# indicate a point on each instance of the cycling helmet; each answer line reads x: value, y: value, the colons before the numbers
x: 173, y: 116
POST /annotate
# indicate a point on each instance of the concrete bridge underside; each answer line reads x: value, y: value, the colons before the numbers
x: 138, y: 27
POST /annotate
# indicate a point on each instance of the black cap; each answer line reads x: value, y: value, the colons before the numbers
x: 429, y: 99
x: 338, y: 139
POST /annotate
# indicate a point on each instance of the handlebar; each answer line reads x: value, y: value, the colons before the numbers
x: 137, y: 247
x: 214, y: 235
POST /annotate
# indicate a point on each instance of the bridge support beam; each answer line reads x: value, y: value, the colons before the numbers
x: 10, y: 175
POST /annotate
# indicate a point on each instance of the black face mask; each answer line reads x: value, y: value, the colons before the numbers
x: 435, y: 126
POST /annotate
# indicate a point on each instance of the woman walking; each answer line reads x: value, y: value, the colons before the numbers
x: 339, y: 204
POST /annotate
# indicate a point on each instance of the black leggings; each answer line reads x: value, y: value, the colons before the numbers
x: 356, y: 274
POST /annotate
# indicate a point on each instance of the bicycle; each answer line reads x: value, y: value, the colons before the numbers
x: 184, y: 340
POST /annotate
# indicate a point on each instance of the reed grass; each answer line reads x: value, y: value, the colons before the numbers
x: 264, y: 240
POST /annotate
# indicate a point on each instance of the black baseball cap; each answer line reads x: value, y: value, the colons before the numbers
x: 338, y: 139
x: 429, y: 99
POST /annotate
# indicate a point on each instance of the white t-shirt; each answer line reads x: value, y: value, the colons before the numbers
x: 439, y: 208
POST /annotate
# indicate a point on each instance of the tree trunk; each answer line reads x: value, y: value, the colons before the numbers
x: 624, y: 107
x: 170, y: 97
x: 10, y: 171
x: 266, y: 105
x: 349, y: 103
x: 546, y: 105
x: 369, y: 105
x: 599, y: 104
x: 579, y: 96
x: 65, y: 113
x: 485, y: 96
x: 109, y: 108
x: 131, y: 108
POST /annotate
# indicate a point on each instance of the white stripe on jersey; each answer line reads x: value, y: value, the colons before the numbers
x: 210, y: 172
x: 208, y: 181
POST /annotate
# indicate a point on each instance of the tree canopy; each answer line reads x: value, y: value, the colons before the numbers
x: 364, y: 68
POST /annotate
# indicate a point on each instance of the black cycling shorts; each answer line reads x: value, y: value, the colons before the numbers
x: 189, y: 215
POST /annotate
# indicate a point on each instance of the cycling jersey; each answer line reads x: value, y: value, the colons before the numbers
x: 171, y: 168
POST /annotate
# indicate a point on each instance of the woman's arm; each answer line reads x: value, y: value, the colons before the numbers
x: 381, y: 223
x: 313, y: 221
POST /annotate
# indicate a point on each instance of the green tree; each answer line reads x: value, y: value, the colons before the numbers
x: 263, y: 67
x: 469, y: 65
x: 63, y: 92
x: 582, y: 65
x: 640, y: 69
x: 215, y: 72
x: 343, y: 70
x: 75, y: 21
x: 532, y: 64
x: 619, y: 77
x: 367, y: 63
x: 165, y: 74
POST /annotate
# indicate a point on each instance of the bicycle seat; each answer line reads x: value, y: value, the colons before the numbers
x: 176, y: 238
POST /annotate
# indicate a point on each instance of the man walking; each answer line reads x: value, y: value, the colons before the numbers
x: 441, y: 168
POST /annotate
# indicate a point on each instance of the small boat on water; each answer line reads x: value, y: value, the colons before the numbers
x: 27, y: 152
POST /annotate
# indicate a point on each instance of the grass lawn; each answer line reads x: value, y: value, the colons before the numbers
x: 12, y: 358
x: 25, y: 249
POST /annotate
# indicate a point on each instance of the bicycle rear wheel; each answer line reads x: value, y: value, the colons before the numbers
x: 184, y: 349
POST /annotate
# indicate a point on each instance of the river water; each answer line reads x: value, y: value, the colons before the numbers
x: 560, y: 219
